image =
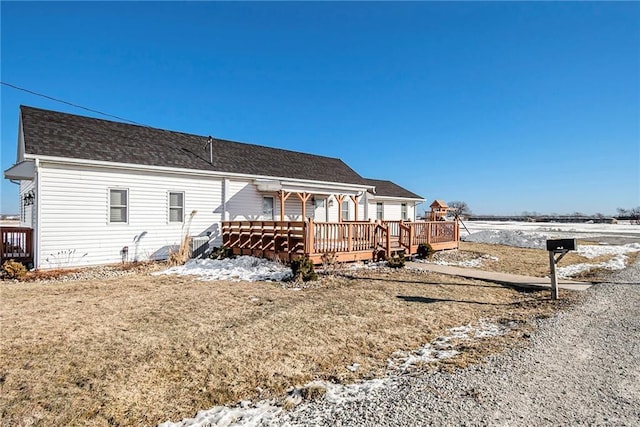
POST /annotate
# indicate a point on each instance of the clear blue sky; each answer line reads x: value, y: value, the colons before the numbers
x: 510, y: 107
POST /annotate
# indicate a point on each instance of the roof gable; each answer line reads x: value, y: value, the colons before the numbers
x: 56, y: 134
x: 438, y: 204
x: 391, y: 189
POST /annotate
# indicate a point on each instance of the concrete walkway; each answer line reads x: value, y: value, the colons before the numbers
x: 515, y: 280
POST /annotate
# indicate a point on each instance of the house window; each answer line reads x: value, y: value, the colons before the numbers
x: 403, y: 212
x: 267, y: 208
x: 345, y: 210
x: 118, y: 205
x: 379, y: 210
x: 320, y: 211
x: 176, y: 206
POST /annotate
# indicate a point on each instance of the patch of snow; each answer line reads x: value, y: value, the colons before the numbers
x: 594, y: 251
x: 249, y: 414
x: 245, y: 414
x: 367, y: 265
x: 517, y: 238
x: 474, y: 262
x: 619, y: 262
x: 340, y: 393
x: 244, y: 268
x: 353, y: 367
x: 557, y: 229
x: 442, y: 347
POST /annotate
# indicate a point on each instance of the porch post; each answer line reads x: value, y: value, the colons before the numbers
x: 340, y: 199
x: 355, y: 202
x: 303, y: 198
x: 283, y: 197
x: 310, y: 234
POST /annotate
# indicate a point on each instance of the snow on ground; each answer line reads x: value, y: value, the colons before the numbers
x: 443, y: 347
x: 618, y: 262
x: 244, y: 268
x: 594, y: 251
x: 445, y: 259
x: 556, y: 229
x: 517, y: 238
x: 256, y: 414
x: 534, y: 235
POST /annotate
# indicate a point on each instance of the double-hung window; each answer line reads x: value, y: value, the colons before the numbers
x: 176, y: 206
x: 118, y: 205
x: 403, y: 212
x: 379, y: 210
x: 345, y: 210
x: 267, y: 208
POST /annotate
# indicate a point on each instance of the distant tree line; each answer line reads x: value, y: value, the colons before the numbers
x: 632, y: 214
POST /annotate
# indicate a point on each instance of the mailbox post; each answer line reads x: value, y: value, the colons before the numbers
x: 561, y: 247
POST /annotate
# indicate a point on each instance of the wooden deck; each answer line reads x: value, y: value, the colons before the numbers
x: 350, y: 241
x: 17, y: 244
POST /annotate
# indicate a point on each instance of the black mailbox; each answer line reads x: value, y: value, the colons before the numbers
x: 561, y: 245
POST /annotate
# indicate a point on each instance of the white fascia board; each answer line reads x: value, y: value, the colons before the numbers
x: 374, y: 197
x: 326, y: 188
x: 182, y: 171
x: 25, y: 170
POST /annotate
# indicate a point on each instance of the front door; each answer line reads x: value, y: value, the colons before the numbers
x: 320, y: 210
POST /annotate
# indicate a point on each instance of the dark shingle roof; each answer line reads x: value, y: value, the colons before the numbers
x: 391, y: 189
x: 51, y: 133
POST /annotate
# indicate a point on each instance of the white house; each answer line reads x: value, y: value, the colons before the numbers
x: 94, y: 190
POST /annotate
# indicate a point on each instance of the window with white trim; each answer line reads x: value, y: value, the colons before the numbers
x: 176, y: 206
x: 267, y: 208
x: 118, y: 205
x: 345, y: 210
x: 379, y: 210
x: 403, y: 212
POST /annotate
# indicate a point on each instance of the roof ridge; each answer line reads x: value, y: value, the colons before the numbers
x: 22, y: 106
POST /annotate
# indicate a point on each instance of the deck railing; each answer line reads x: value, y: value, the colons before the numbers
x: 349, y: 240
x: 394, y: 227
x: 264, y: 237
x: 341, y: 236
x: 17, y: 244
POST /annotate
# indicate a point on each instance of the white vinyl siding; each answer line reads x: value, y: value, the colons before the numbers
x: 27, y: 212
x: 392, y: 210
x: 176, y: 206
x: 74, y: 217
x: 118, y: 205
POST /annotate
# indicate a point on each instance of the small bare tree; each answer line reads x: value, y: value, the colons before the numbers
x: 460, y: 207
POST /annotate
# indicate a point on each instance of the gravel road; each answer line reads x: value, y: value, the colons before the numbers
x: 582, y: 368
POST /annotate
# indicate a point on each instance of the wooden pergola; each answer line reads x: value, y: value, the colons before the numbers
x: 305, y: 196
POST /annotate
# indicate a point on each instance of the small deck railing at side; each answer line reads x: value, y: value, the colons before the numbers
x: 350, y: 241
x: 17, y: 244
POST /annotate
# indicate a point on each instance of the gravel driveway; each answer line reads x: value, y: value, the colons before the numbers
x: 582, y: 368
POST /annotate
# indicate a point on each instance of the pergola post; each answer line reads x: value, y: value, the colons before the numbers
x: 355, y: 203
x: 340, y: 199
x: 303, y: 198
x: 283, y: 198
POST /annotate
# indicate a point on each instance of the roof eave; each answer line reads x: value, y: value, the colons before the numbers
x: 184, y: 171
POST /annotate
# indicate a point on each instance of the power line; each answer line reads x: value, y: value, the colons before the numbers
x: 71, y: 103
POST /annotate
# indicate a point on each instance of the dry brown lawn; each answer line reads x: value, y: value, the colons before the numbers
x: 533, y: 262
x: 143, y: 349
